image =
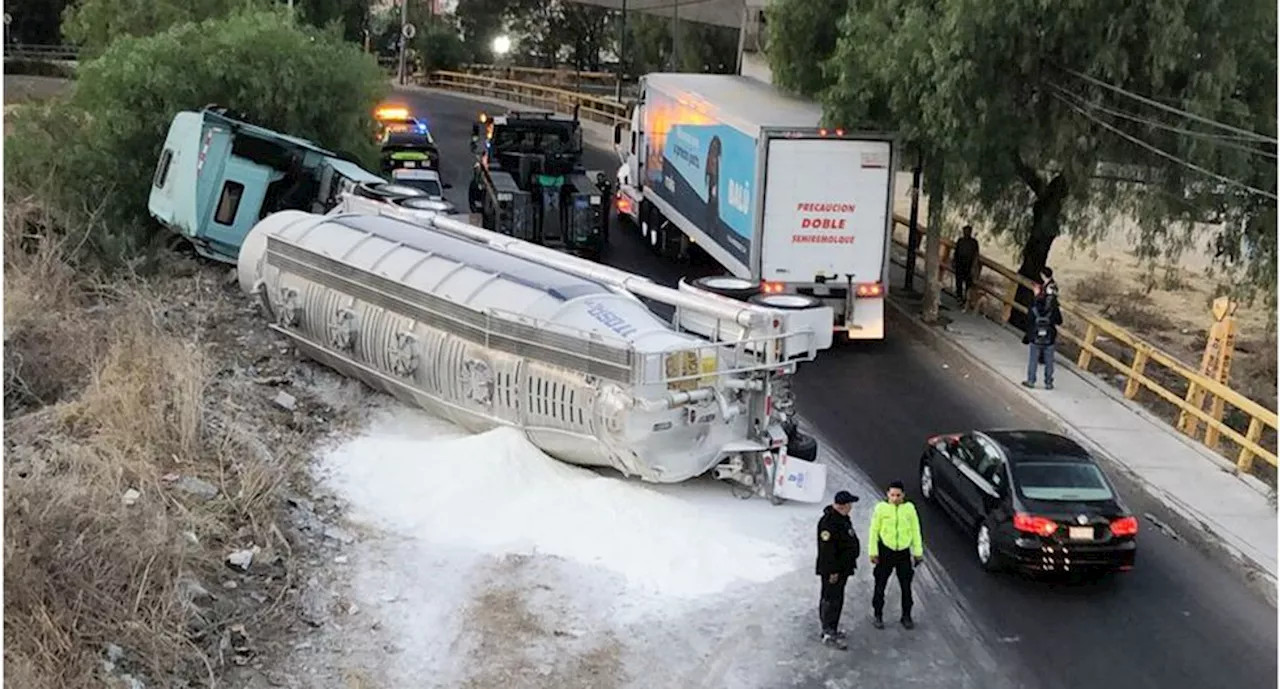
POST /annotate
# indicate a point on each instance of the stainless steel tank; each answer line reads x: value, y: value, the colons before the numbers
x: 484, y: 338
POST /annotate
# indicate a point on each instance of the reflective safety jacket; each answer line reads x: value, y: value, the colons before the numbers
x: 898, y: 526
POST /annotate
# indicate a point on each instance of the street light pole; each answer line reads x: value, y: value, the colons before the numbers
x: 675, y: 35
x: 404, y: 19
x: 622, y: 50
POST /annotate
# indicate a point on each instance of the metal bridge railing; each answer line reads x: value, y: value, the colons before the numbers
x: 29, y: 51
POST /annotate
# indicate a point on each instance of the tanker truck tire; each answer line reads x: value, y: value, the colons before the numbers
x: 802, y: 446
x: 728, y: 286
x: 785, y: 302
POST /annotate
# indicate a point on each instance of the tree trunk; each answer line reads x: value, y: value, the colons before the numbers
x: 933, y: 241
x: 1046, y: 219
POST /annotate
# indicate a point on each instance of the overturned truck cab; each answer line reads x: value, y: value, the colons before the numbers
x: 486, y: 330
x: 218, y: 176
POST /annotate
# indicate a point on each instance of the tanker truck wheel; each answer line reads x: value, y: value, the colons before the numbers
x: 728, y: 286
x: 802, y: 446
x: 785, y: 302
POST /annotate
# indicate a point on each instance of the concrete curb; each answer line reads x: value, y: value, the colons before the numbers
x: 1209, y: 536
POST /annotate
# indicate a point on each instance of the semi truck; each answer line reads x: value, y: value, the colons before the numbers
x: 529, y: 182
x: 795, y: 212
x: 218, y: 175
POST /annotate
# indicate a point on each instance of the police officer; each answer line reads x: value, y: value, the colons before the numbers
x: 838, y: 549
x: 896, y: 547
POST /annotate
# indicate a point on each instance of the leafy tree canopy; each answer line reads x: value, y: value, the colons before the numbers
x: 94, y: 24
x: 1014, y: 95
x: 100, y: 150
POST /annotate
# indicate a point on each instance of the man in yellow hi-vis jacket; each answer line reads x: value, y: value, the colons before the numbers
x: 896, y: 546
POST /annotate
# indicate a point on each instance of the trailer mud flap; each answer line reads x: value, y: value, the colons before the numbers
x: 799, y: 480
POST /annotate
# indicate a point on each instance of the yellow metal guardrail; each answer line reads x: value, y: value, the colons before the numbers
x: 605, y: 110
x: 542, y: 74
x: 1141, y: 355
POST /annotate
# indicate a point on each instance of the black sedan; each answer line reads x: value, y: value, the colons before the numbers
x: 1034, y: 501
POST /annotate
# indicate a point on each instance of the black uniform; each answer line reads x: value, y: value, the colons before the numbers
x: 838, y: 548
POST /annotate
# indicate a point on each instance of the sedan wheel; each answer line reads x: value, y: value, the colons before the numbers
x: 985, y: 546
x: 926, y: 481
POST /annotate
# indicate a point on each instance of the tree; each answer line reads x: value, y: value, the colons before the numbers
x: 539, y: 27
x: 439, y: 44
x: 35, y: 21
x: 991, y: 87
x: 350, y: 16
x: 284, y: 76
x: 588, y: 31
x: 481, y: 21
x: 94, y: 24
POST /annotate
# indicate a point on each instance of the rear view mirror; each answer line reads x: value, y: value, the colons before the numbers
x: 447, y: 185
x: 617, y: 134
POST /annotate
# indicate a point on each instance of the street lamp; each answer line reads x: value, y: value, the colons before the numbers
x: 501, y: 46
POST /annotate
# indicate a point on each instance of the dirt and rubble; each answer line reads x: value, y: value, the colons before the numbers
x: 159, y: 524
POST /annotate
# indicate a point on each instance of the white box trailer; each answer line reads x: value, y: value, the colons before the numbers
x: 794, y: 211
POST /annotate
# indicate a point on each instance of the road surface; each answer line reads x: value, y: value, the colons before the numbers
x: 1180, y: 619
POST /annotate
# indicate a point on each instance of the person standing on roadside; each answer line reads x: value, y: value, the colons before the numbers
x: 1041, y: 337
x: 838, y: 549
x: 896, y: 547
x: 964, y: 263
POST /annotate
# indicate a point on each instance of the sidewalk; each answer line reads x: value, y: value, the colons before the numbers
x: 1187, y: 478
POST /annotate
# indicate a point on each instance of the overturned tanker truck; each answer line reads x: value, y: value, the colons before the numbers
x: 486, y: 330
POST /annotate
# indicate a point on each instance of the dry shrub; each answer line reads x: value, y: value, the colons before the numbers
x: 86, y: 568
x: 49, y: 341
x: 1098, y: 289
x: 1135, y: 311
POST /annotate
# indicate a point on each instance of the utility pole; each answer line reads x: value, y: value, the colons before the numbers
x: 404, y: 42
x: 622, y: 50
x: 913, y: 226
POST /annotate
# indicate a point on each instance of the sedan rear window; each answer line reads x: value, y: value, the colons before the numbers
x: 1061, y: 481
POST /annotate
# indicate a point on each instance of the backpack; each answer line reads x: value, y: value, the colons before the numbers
x: 1042, y: 327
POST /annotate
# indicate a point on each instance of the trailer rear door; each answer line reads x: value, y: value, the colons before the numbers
x: 825, y: 209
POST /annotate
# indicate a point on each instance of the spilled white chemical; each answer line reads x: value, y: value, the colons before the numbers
x: 496, y: 494
x: 486, y: 563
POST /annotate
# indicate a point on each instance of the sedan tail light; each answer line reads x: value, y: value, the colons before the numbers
x: 1040, y: 526
x: 1124, y: 526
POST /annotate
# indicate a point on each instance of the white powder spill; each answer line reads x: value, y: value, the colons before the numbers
x: 496, y: 494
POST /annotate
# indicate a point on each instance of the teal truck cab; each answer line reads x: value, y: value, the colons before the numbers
x: 218, y: 176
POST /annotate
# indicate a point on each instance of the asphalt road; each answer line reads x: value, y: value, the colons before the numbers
x: 1181, y: 619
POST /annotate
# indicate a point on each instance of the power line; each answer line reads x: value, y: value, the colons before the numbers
x: 1162, y: 153
x: 1219, y: 139
x: 1168, y: 108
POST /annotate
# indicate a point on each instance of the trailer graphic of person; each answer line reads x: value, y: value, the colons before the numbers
x: 713, y: 184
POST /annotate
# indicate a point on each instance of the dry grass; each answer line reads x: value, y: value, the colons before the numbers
x: 104, y: 400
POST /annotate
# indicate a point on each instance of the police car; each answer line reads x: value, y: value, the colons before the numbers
x: 406, y: 141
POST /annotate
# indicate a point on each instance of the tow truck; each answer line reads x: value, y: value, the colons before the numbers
x: 529, y: 182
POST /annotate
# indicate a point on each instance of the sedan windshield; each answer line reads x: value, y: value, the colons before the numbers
x: 1061, y: 481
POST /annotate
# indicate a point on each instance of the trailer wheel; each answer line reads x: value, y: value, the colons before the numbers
x: 728, y: 286
x: 802, y: 446
x: 785, y: 302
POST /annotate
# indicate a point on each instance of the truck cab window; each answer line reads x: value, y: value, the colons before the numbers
x: 229, y: 203
x: 162, y: 169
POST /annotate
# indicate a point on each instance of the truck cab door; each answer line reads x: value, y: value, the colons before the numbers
x: 237, y: 205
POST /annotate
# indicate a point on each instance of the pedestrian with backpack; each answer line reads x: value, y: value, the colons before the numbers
x: 1041, y: 337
